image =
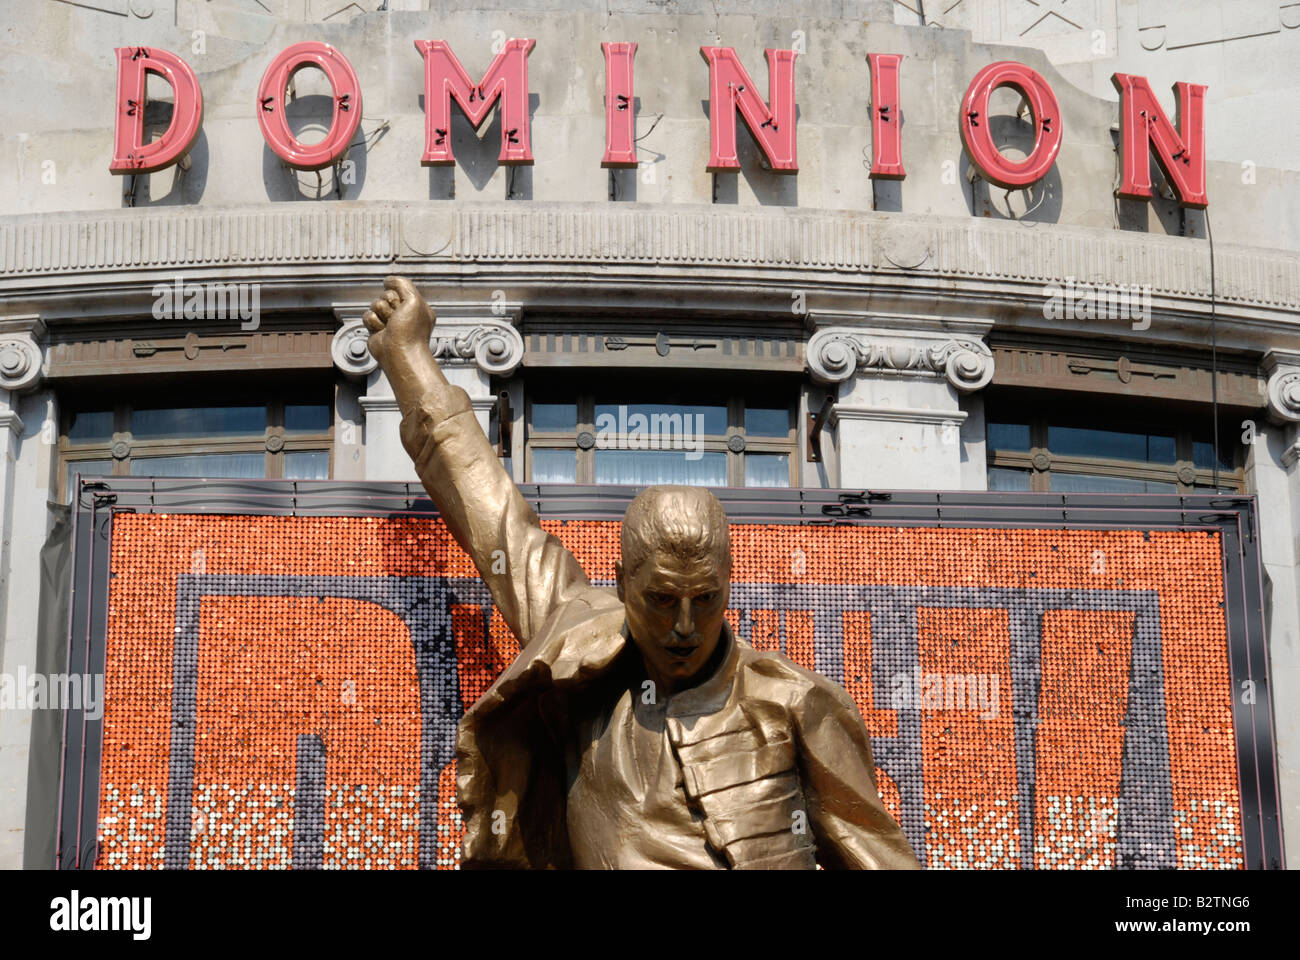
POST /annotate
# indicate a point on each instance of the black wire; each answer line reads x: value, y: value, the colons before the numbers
x: 650, y: 131
x: 1214, y: 354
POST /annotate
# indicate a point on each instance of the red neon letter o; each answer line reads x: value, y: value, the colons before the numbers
x: 347, y: 105
x: 978, y: 141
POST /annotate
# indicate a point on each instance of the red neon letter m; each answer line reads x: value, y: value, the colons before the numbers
x: 730, y: 89
x: 1180, y: 152
x: 506, y: 78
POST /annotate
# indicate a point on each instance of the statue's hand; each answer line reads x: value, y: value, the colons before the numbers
x: 400, y: 323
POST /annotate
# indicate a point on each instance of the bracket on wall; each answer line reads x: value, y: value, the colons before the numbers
x: 504, y: 416
x: 815, y: 427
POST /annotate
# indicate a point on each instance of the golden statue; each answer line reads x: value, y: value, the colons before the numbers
x: 685, y: 748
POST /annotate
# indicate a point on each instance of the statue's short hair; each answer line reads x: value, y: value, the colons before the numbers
x: 686, y: 522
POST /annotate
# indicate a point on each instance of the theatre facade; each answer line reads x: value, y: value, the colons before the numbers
x: 823, y: 246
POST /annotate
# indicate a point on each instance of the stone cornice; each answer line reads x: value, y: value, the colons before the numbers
x: 380, y: 404
x: 537, y: 245
x: 846, y: 411
x: 203, y: 238
x: 11, y: 423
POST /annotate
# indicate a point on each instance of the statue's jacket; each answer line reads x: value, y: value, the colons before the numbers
x: 767, y: 748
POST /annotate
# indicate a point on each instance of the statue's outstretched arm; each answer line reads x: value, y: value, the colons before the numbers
x: 528, y: 571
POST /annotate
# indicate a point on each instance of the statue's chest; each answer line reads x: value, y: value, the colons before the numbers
x: 626, y: 805
x: 647, y: 788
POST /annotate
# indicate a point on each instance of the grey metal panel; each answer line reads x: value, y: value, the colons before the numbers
x: 77, y: 820
x: 43, y: 772
x: 186, y: 495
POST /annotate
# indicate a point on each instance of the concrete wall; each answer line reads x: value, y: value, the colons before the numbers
x: 59, y: 60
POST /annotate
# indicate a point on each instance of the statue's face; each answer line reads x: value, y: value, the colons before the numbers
x: 675, y: 611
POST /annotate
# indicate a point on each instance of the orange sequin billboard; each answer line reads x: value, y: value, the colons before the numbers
x: 283, y: 691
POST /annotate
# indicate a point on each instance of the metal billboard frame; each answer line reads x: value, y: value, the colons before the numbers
x: 1234, y: 517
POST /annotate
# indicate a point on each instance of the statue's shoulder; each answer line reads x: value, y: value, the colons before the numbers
x: 770, y: 674
x: 776, y: 666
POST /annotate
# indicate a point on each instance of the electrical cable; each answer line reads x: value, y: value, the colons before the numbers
x: 650, y: 131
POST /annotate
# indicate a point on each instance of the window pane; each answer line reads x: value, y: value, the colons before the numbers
x: 87, y: 468
x: 661, y: 418
x: 1161, y: 449
x: 1112, y: 444
x: 1000, y: 478
x: 198, y: 421
x: 222, y: 465
x: 91, y: 426
x: 554, y: 417
x: 306, y: 417
x: 767, y: 423
x: 1084, y: 483
x: 767, y: 469
x: 1203, y: 455
x: 1008, y: 436
x: 638, y: 467
x: 555, y: 466
x: 307, y: 465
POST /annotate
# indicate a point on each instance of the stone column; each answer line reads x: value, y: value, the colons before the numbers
x: 472, y: 342
x: 24, y: 521
x: 1273, y: 475
x: 898, y: 419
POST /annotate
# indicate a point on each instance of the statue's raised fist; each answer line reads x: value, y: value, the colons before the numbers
x: 400, y: 323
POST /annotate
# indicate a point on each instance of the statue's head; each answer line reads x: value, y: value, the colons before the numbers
x: 674, y: 579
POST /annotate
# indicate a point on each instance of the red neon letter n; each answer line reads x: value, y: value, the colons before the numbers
x: 1180, y: 152
x: 773, y: 125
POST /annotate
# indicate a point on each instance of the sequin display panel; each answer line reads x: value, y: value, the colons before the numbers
x: 284, y: 692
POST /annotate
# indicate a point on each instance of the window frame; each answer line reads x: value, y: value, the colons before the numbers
x: 313, y: 441
x: 1040, y: 480
x: 735, y: 403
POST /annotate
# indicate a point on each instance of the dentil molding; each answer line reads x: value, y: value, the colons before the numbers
x: 128, y: 245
